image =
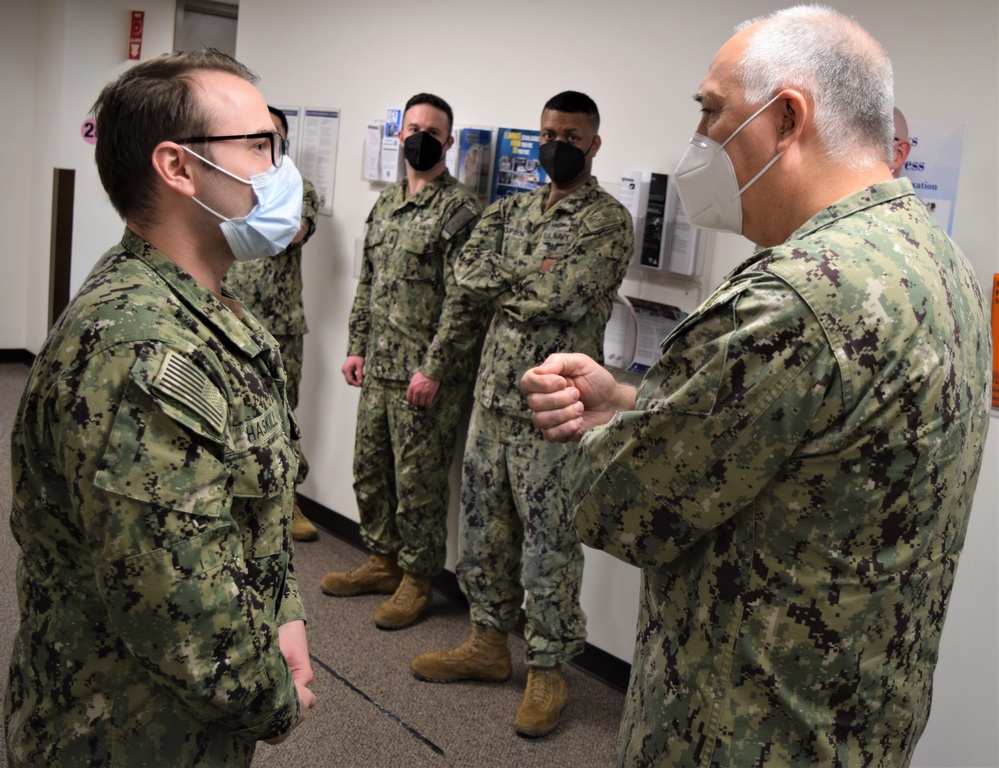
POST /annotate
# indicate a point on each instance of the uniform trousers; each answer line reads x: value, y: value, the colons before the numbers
x: 402, y: 459
x: 517, y: 538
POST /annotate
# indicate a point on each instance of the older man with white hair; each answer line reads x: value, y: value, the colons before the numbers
x: 795, y: 475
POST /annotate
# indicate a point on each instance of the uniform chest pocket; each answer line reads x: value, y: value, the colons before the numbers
x: 556, y: 240
x: 417, y: 257
x: 264, y: 462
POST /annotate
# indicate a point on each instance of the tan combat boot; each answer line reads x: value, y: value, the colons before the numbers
x: 484, y: 657
x: 544, y: 700
x: 381, y: 574
x: 301, y: 528
x: 410, y: 601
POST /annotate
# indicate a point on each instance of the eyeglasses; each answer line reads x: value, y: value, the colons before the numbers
x: 278, y: 144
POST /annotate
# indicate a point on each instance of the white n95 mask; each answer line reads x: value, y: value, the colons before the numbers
x: 707, y: 184
x: 276, y: 218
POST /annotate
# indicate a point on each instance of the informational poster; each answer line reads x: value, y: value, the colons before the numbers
x: 934, y: 165
x: 312, y: 141
x: 320, y: 132
x: 517, y: 166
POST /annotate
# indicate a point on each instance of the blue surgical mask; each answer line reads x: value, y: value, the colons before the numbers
x: 706, y: 182
x: 276, y: 218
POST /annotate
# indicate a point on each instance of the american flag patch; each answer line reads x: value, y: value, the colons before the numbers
x: 459, y: 220
x: 186, y: 383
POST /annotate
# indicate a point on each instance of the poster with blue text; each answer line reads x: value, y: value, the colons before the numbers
x: 934, y: 166
x: 516, y: 167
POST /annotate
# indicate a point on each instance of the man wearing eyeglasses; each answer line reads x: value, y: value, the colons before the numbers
x: 272, y: 290
x: 153, y: 457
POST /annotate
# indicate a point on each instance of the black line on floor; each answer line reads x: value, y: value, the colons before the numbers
x: 374, y: 703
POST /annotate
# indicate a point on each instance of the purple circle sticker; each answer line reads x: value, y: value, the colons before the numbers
x: 89, y: 131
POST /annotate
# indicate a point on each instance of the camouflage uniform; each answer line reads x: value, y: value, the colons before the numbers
x: 516, y: 531
x: 272, y: 290
x: 408, y: 317
x: 152, y: 475
x: 795, y: 481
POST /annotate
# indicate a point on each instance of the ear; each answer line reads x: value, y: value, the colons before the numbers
x: 792, y: 118
x: 173, y: 166
x: 596, y: 146
x: 900, y: 151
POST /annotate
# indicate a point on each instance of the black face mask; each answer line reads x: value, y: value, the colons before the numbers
x: 562, y: 161
x: 422, y: 151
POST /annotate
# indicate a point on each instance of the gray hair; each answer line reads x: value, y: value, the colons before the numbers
x: 834, y: 60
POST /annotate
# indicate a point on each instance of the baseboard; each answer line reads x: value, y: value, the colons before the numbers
x: 22, y: 356
x: 605, y: 667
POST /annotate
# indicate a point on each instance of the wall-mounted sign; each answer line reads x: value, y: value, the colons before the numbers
x: 89, y: 130
x: 135, y: 35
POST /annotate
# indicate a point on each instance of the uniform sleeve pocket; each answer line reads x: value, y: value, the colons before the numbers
x: 153, y: 457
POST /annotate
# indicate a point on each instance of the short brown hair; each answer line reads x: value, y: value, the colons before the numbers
x: 148, y: 104
x: 434, y: 101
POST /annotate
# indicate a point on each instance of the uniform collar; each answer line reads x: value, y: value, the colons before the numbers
x: 195, y: 296
x: 863, y: 199
x: 571, y: 201
x: 427, y: 192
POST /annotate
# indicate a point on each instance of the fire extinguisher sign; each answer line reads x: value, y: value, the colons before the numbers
x: 135, y: 35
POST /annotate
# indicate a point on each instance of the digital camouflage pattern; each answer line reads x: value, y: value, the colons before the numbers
x: 292, y: 351
x: 795, y: 482
x: 537, y: 313
x: 272, y: 290
x: 153, y: 468
x: 517, y: 530
x: 400, y: 322
x: 408, y: 316
x: 402, y: 463
x: 516, y: 520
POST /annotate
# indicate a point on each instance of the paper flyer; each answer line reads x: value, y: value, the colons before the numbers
x: 516, y: 167
x: 451, y: 157
x: 635, y: 332
x: 474, y: 155
x: 391, y: 158
x: 634, y: 195
x: 372, y: 152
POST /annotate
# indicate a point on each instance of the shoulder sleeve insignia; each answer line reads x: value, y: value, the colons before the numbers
x: 603, y: 219
x: 185, y: 382
x: 460, y: 219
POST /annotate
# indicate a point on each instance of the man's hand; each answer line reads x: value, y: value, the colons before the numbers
x: 295, y: 647
x: 421, y: 390
x: 353, y: 370
x: 570, y: 393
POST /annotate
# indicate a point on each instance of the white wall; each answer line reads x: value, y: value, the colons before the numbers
x: 497, y: 64
x: 18, y: 35
x: 55, y: 57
